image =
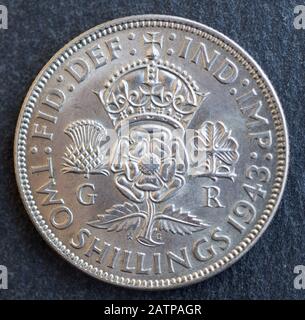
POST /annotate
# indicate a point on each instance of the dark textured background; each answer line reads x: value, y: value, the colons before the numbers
x: 37, y: 29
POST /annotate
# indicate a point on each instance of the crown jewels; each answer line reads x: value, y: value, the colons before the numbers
x: 153, y: 90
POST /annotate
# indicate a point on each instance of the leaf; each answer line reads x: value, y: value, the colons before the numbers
x: 206, y: 134
x: 217, y: 139
x: 119, y: 217
x: 176, y: 221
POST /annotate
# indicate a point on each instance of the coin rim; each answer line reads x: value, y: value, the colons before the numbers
x: 94, y: 34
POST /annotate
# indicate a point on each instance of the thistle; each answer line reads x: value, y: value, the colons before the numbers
x: 86, y: 154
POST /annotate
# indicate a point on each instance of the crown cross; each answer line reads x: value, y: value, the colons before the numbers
x: 155, y: 41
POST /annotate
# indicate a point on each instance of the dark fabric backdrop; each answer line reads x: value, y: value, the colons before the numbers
x: 37, y: 29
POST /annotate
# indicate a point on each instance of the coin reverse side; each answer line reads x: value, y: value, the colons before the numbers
x: 151, y: 152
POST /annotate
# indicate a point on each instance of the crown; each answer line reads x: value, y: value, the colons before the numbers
x: 151, y: 90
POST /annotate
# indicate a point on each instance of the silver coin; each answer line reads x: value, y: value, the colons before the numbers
x: 151, y: 152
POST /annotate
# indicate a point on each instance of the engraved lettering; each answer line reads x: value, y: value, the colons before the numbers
x: 243, y: 213
x: 255, y: 191
x: 55, y: 99
x: 185, y: 47
x: 205, y: 249
x: 97, y: 56
x: 227, y: 73
x: 116, y: 252
x: 51, y: 193
x: 182, y: 260
x: 78, y: 69
x: 45, y: 168
x: 126, y: 261
x: 243, y: 100
x: 202, y: 253
x: 263, y: 139
x: 41, y: 131
x: 157, y: 263
x: 61, y: 217
x: 211, y: 195
x: 263, y: 174
x: 47, y: 117
x: 252, y: 113
x: 81, y: 238
x: 222, y: 240
x: 113, y: 46
x: 84, y: 196
x: 140, y: 269
x: 102, y: 253
x: 207, y: 60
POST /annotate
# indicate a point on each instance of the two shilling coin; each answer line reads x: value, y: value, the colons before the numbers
x: 151, y: 152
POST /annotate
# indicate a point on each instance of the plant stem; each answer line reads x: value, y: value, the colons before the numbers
x: 151, y: 213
